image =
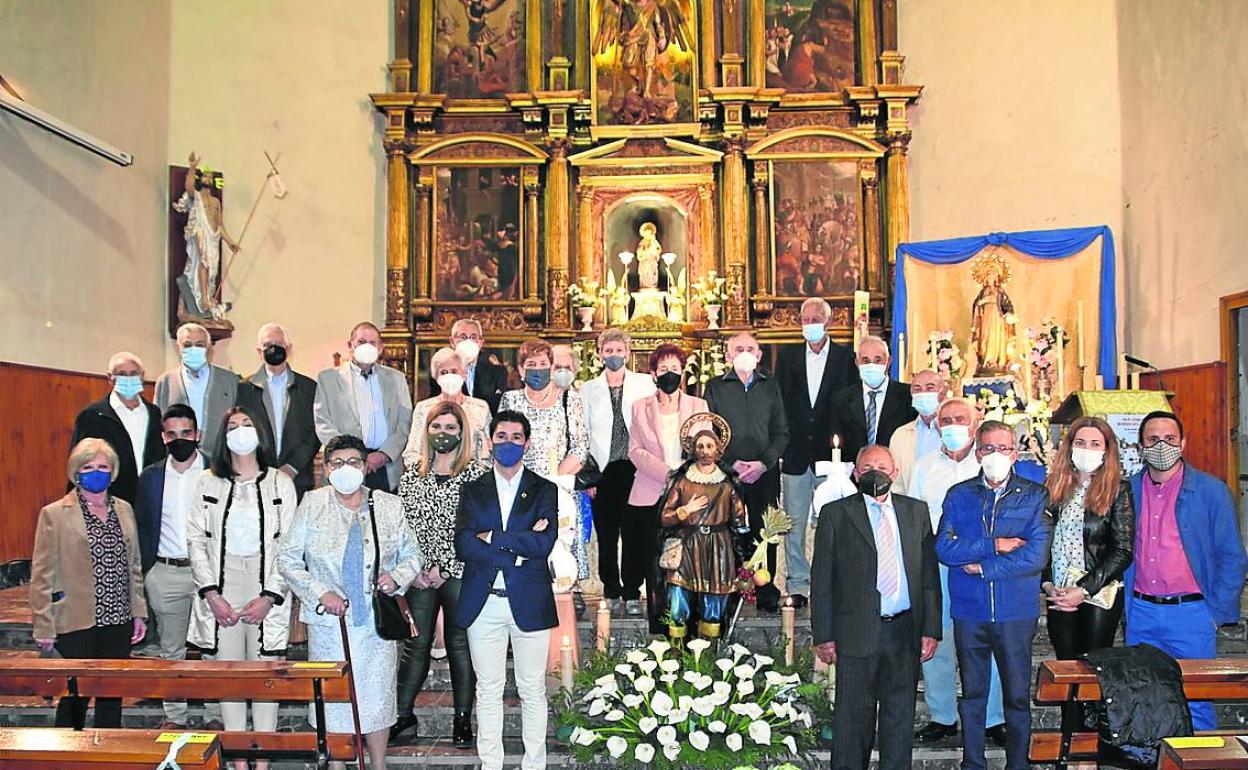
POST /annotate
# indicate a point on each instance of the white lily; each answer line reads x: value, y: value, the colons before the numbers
x: 744, y: 671
x: 690, y: 676
x: 697, y: 647
x: 616, y: 746
x: 738, y: 651
x: 791, y: 743
x: 583, y: 737
x: 658, y: 647
x: 774, y: 678
x: 780, y: 709
x: 647, y: 725
x: 636, y: 657
x: 626, y: 670
x: 661, y: 704
x: 614, y: 715
x: 648, y: 666
x: 760, y: 733
x: 703, y: 682
x: 745, y: 687
x: 644, y: 753
x: 594, y: 692
x: 668, y: 678
x: 725, y: 665
x: 684, y: 701
x: 671, y: 665
x: 717, y: 726
x: 671, y: 751
x: 763, y: 660
x: 751, y: 710
x: 666, y: 735
x: 607, y: 680
x: 699, y: 740
x: 703, y: 707
x: 644, y: 685
x: 597, y: 707
x: 632, y: 700
x: 718, y: 699
x: 721, y: 688
x: 677, y: 716
x: 734, y: 742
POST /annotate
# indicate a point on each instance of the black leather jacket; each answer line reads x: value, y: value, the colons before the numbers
x: 1108, y: 541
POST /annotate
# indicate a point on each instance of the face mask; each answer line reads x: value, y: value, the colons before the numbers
x: 508, y: 453
x: 444, y: 442
x: 451, y: 382
x: 1162, y: 456
x: 242, y: 440
x: 95, y: 481
x: 872, y: 374
x: 537, y: 379
x: 563, y: 378
x: 813, y: 333
x: 874, y: 483
x: 955, y: 437
x: 925, y: 403
x: 668, y: 382
x: 274, y: 355
x: 468, y: 350
x: 997, y: 466
x: 745, y: 362
x: 366, y: 354
x: 127, y: 386
x: 1087, y: 460
x: 346, y: 479
x: 614, y: 363
x: 182, y: 448
x: 194, y: 358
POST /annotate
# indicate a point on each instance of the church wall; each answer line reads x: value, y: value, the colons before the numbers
x: 82, y: 240
x: 1185, y: 143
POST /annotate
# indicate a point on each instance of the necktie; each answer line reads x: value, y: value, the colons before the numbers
x: 871, y: 410
x: 886, y: 580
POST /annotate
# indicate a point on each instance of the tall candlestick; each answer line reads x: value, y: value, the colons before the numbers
x: 1026, y: 354
x: 1079, y: 320
x: 788, y: 622
x: 565, y: 663
x: 901, y: 357
x: 1099, y: 380
x: 836, y: 448
x: 604, y: 625
x: 931, y: 355
x: 1060, y: 390
x: 914, y: 335
x: 1122, y: 372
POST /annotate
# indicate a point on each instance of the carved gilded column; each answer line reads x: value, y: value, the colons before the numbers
x: 872, y: 277
x: 401, y: 67
x: 707, y: 45
x: 755, y: 31
x: 423, y: 208
x: 557, y: 230
x: 730, y: 61
x: 531, y: 192
x: 762, y: 231
x: 710, y: 236
x: 867, y: 50
x: 585, y: 232
x: 735, y: 226
x: 897, y: 194
x: 424, y: 59
x: 397, y: 261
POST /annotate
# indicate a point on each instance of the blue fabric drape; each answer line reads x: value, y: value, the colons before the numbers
x: 1043, y: 244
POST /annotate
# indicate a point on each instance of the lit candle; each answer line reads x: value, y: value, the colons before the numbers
x: 604, y: 625
x: 901, y: 357
x: 1122, y: 372
x: 914, y: 335
x: 1060, y: 389
x: 1025, y: 352
x: 788, y: 622
x: 1079, y: 328
x: 836, y: 448
x: 1135, y: 381
x: 565, y: 663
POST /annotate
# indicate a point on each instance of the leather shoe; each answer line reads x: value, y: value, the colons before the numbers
x: 462, y: 732
x: 402, y: 725
x: 935, y: 731
x: 167, y: 726
x: 214, y: 725
x: 996, y: 734
x: 798, y: 601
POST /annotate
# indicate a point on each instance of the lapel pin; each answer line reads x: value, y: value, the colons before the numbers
x: 524, y: 495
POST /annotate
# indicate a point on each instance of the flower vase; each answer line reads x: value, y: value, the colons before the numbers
x: 712, y: 316
x: 586, y: 314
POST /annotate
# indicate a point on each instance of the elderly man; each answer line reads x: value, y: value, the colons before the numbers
x: 446, y: 368
x: 482, y: 379
x: 753, y: 405
x: 128, y: 422
x: 370, y: 401
x: 870, y: 412
x: 205, y: 387
x: 808, y: 375
x: 921, y: 436
x: 286, y: 398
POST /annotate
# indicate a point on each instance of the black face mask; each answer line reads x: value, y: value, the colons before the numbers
x: 874, y: 483
x: 275, y: 355
x: 668, y: 382
x: 182, y: 448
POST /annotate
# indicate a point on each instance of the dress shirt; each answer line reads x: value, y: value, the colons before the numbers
x: 1162, y: 567
x: 669, y: 434
x: 277, y: 394
x: 196, y: 386
x: 175, y: 505
x: 507, y: 489
x: 873, y: 430
x: 470, y: 374
x: 815, y: 365
x: 242, y: 526
x: 934, y: 475
x: 135, y: 422
x: 876, y: 511
x: 370, y: 407
x: 927, y: 439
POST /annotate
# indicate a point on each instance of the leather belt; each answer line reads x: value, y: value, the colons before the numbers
x: 174, y: 562
x: 1179, y: 599
x: 891, y: 618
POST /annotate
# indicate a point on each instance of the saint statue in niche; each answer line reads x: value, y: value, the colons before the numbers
x: 648, y: 253
x: 993, y: 323
x: 199, y: 285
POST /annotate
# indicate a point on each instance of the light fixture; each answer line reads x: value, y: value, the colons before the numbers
x: 27, y: 111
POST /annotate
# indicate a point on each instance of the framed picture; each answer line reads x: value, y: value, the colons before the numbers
x: 479, y: 48
x: 809, y: 45
x: 816, y: 211
x: 478, y: 234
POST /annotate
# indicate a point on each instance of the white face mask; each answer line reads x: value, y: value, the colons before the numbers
x: 451, y: 382
x: 468, y: 350
x: 366, y: 354
x: 242, y: 440
x: 745, y: 362
x: 346, y: 479
x: 997, y: 467
x: 1087, y: 460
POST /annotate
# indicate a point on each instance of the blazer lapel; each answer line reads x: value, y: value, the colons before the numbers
x: 524, y: 498
x: 858, y: 515
x: 348, y: 388
x: 858, y: 410
x: 825, y: 383
x: 493, y: 511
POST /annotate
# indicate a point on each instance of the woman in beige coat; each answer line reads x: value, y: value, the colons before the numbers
x: 86, y: 582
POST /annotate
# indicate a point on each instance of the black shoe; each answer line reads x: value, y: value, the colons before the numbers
x: 996, y: 734
x: 402, y: 725
x: 935, y: 731
x: 578, y: 604
x: 798, y: 601
x: 462, y: 735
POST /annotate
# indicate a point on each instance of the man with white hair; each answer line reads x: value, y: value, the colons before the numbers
x: 870, y: 412
x: 482, y: 379
x: 206, y: 388
x: 286, y: 398
x: 921, y: 436
x: 127, y: 421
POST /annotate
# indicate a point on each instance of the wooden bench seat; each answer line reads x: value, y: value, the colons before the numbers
x: 66, y: 749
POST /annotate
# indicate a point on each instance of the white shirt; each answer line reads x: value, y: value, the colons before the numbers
x: 369, y: 406
x: 175, y: 506
x: 135, y: 422
x: 815, y: 364
x: 876, y: 510
x: 879, y: 405
x: 669, y: 435
x: 277, y: 394
x: 933, y: 477
x: 507, y: 489
x: 242, y: 526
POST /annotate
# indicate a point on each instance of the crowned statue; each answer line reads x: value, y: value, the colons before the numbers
x: 649, y: 299
x: 993, y: 323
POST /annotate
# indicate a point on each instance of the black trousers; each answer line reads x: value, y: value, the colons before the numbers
x: 759, y: 496
x: 879, y: 688
x: 622, y: 535
x: 1076, y: 633
x: 415, y: 666
x: 95, y: 642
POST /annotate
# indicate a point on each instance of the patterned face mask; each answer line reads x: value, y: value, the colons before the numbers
x: 1161, y: 455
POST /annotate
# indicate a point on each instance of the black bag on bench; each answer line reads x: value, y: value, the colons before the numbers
x: 1142, y: 702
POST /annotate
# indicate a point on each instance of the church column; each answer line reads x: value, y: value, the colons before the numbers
x: 872, y: 277
x: 424, y: 59
x: 867, y: 43
x: 557, y: 228
x: 585, y: 232
x: 397, y: 327
x: 735, y: 226
x: 401, y: 67
x: 897, y: 195
x: 755, y: 31
x: 762, y: 231
x: 532, y: 300
x: 424, y: 197
x: 706, y: 46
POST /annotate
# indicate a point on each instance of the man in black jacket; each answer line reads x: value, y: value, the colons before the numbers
x: 808, y: 375
x: 127, y: 421
x: 482, y: 379
x: 870, y: 412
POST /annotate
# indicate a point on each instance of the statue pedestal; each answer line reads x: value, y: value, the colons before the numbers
x: 999, y: 385
x: 649, y: 302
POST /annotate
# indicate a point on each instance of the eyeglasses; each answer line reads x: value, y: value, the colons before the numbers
x: 987, y: 449
x: 462, y: 337
x: 354, y: 462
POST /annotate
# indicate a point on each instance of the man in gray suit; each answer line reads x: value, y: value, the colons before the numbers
x: 369, y: 400
x: 875, y: 607
x: 208, y: 389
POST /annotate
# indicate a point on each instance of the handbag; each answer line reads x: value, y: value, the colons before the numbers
x: 672, y: 554
x: 392, y: 616
x: 1103, y: 598
x: 590, y: 475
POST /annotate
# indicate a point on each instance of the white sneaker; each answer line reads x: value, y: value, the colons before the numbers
x: 632, y: 608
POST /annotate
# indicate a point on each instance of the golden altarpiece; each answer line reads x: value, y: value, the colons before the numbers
x: 643, y: 151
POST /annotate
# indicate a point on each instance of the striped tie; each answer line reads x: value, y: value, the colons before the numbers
x: 887, y: 580
x: 871, y: 411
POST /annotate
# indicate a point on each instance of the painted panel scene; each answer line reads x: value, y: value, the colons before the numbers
x: 816, y: 214
x: 478, y: 234
x: 479, y: 48
x: 643, y: 54
x: 809, y: 45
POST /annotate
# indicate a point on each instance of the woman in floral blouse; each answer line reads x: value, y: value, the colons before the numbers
x: 430, y: 493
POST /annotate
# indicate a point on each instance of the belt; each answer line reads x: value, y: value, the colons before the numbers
x: 174, y: 562
x: 1179, y: 599
x: 891, y: 618
x: 499, y: 592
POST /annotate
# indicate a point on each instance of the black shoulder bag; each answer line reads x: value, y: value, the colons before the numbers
x: 392, y: 616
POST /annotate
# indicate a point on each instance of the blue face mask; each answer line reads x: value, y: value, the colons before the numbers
x: 537, y: 379
x: 127, y: 386
x: 507, y: 453
x: 813, y: 333
x: 614, y: 363
x: 95, y: 481
x: 194, y: 357
x: 925, y: 403
x: 872, y: 374
x: 955, y: 437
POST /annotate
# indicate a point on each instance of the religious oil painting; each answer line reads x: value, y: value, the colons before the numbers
x: 477, y: 234
x: 816, y: 211
x: 643, y: 62
x: 479, y: 50
x: 809, y: 45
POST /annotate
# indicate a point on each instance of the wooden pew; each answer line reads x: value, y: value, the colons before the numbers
x: 66, y: 749
x: 307, y: 682
x: 1062, y: 681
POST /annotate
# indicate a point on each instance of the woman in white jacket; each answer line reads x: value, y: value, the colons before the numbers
x: 240, y: 507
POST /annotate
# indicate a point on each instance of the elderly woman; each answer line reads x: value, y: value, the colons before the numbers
x: 446, y: 367
x: 337, y: 531
x: 86, y: 581
x: 240, y: 507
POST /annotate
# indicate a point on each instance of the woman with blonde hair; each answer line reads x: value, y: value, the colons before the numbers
x: 446, y: 368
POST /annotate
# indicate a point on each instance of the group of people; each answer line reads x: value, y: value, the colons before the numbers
x: 479, y: 503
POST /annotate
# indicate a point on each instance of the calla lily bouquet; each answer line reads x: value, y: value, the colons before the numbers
x: 670, y: 708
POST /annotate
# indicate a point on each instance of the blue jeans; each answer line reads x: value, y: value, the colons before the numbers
x: 710, y: 606
x: 797, y: 492
x: 1184, y: 631
x: 940, y: 683
x: 1009, y: 643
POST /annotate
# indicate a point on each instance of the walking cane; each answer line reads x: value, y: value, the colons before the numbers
x: 355, y: 706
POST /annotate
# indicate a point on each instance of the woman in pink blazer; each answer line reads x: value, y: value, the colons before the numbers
x: 654, y: 448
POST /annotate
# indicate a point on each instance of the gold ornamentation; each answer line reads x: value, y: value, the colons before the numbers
x: 700, y: 421
x: 396, y: 297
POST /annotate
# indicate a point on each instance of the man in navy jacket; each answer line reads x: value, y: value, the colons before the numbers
x: 507, y: 524
x: 995, y: 540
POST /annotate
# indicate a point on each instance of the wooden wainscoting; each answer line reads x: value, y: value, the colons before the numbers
x: 1199, y: 400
